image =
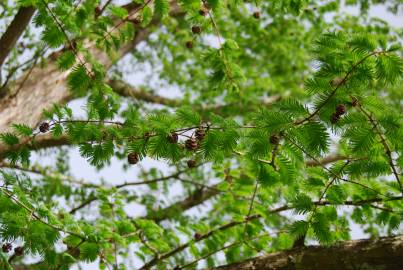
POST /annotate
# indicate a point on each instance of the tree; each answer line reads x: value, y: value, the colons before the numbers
x: 286, y: 132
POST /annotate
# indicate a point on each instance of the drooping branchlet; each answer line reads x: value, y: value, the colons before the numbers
x: 197, y: 236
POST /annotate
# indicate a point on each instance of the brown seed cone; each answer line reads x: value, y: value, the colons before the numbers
x: 197, y: 236
x: 44, y: 127
x: 274, y: 139
x: 341, y: 109
x: 147, y: 135
x: 191, y: 163
x: 97, y: 10
x: 173, y: 137
x: 189, y: 44
x: 133, y: 158
x: 196, y: 29
x: 19, y: 251
x: 203, y: 12
x: 228, y: 179
x: 256, y: 15
x: 6, y: 247
x: 135, y: 21
x: 191, y: 144
x: 200, y: 134
x: 334, y: 118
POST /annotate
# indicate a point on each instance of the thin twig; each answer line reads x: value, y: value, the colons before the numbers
x: 339, y: 84
x: 383, y: 142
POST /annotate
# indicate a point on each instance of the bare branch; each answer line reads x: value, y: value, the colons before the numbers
x: 325, y: 160
x: 126, y: 90
x: 14, y: 31
x: 196, y: 198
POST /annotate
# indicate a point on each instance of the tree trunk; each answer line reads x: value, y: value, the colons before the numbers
x: 38, y: 89
x: 41, y: 87
x: 383, y: 253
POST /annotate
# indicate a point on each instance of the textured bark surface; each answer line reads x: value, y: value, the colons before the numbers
x: 31, y: 94
x: 41, y: 87
x: 381, y: 254
x: 14, y: 31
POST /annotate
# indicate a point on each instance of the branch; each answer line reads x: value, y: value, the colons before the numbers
x: 126, y: 90
x: 384, y: 143
x: 234, y: 223
x: 40, y: 141
x: 37, y: 94
x: 14, y: 31
x: 32, y: 213
x: 125, y: 184
x: 197, y: 197
x: 383, y: 253
x: 334, y: 90
x: 325, y: 160
x: 209, y: 254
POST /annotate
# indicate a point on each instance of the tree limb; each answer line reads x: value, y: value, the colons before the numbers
x: 234, y: 223
x: 326, y: 160
x: 40, y: 142
x: 126, y: 90
x: 383, y: 253
x: 14, y: 31
x: 196, y: 198
x: 36, y: 94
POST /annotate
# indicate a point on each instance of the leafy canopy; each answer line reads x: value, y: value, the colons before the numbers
x: 288, y: 125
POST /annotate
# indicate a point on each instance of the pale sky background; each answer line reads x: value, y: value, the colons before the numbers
x: 114, y: 173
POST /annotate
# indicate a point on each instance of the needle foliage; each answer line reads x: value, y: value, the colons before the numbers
x: 287, y: 124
